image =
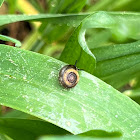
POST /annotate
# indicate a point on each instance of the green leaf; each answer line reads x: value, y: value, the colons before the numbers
x: 23, y: 129
x: 100, y: 133
x: 49, y: 32
x: 116, y: 51
x: 12, y: 6
x: 119, y: 5
x: 76, y: 49
x: 98, y: 39
x: 75, y: 138
x: 1, y: 1
x: 37, y: 6
x: 29, y: 83
x: 117, y: 64
x: 69, y: 19
x: 6, y: 38
x: 4, y: 137
x: 122, y: 25
x: 16, y: 114
x: 121, y: 78
x: 76, y: 6
x: 66, y: 19
x: 65, y: 6
x: 112, y: 66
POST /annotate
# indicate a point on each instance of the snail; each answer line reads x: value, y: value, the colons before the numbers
x: 69, y: 76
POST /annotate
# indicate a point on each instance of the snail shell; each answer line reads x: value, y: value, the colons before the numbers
x: 69, y: 76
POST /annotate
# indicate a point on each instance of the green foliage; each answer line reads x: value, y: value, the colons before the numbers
x: 32, y: 129
x: 53, y: 18
x: 90, y: 135
x: 104, y: 44
x: 47, y: 100
x: 4, y: 137
x: 76, y: 138
x: 76, y: 49
x: 1, y: 1
x: 100, y: 133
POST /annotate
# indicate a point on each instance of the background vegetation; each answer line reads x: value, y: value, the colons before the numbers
x: 105, y: 102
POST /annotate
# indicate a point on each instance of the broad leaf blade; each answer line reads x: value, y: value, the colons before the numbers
x: 29, y: 82
x: 23, y: 129
x: 4, y: 137
x: 17, y: 114
x: 100, y: 133
x: 116, y: 51
x: 75, y: 138
x: 70, y: 19
x: 109, y: 67
x: 117, y: 64
x: 77, y: 50
x: 121, y: 78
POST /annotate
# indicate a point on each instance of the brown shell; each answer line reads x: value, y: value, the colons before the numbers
x: 68, y: 76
